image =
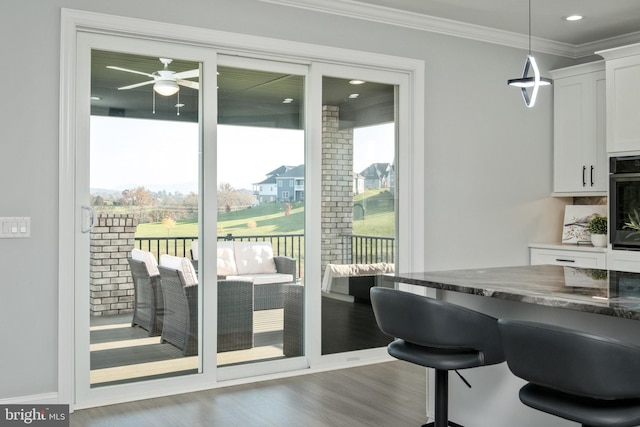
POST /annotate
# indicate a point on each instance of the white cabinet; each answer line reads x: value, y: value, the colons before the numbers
x: 623, y: 98
x: 624, y: 261
x: 579, y: 135
x: 568, y: 255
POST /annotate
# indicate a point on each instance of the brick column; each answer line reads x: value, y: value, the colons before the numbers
x: 337, y: 186
x: 111, y: 285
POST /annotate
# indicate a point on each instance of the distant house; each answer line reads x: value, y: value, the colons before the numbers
x: 290, y: 185
x: 267, y: 190
x: 378, y: 175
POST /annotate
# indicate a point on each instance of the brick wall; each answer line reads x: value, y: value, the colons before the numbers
x: 111, y: 285
x: 337, y: 185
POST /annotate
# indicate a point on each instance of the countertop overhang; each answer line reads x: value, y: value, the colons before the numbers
x: 605, y: 292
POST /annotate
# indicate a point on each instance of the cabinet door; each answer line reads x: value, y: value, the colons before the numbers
x: 599, y: 175
x: 623, y: 104
x: 570, y: 111
x: 580, y: 154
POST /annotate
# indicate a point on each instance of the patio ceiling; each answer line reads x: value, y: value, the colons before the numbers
x: 245, y: 97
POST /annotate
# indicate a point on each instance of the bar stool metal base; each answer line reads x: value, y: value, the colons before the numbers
x: 441, y: 416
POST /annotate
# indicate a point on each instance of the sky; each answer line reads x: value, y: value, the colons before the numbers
x: 163, y: 155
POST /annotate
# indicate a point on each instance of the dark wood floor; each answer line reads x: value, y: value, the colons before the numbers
x: 389, y: 394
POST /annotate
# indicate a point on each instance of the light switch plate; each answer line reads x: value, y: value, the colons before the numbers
x: 15, y: 227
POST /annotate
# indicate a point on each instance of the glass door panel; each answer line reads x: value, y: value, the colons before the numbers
x: 261, y: 218
x: 358, y: 207
x: 144, y: 185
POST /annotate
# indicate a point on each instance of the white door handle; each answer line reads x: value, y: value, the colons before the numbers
x: 89, y: 219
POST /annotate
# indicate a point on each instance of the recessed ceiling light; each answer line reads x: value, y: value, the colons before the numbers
x: 573, y: 18
x: 287, y: 100
x: 95, y: 98
x: 354, y: 95
x: 179, y: 105
x: 357, y: 82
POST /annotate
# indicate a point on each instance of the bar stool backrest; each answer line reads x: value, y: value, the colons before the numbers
x: 435, y: 323
x: 571, y: 361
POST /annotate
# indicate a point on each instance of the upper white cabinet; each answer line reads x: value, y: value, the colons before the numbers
x: 623, y: 98
x: 579, y: 136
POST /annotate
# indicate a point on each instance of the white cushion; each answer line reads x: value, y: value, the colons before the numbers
x: 226, y: 259
x: 254, y: 258
x: 264, y: 279
x: 183, y: 265
x: 148, y: 258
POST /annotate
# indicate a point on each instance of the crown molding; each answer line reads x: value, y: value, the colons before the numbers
x: 385, y: 15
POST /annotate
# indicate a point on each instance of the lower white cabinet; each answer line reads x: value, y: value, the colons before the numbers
x: 570, y: 256
x: 624, y: 261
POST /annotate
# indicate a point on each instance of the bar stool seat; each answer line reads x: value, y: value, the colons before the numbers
x: 436, y: 334
x: 586, y: 378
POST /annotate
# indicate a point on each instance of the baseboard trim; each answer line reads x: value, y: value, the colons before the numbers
x: 35, y: 399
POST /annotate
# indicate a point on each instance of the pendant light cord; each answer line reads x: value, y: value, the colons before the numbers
x: 529, y: 27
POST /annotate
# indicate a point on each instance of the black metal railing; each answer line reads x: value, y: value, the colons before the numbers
x: 358, y: 249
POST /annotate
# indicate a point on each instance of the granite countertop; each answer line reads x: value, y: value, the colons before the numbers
x: 609, y: 293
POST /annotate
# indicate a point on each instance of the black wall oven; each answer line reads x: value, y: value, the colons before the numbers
x: 624, y: 202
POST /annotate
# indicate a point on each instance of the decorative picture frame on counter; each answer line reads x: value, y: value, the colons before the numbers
x: 576, y: 222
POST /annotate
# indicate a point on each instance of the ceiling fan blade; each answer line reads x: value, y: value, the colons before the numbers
x: 111, y: 67
x: 189, y: 83
x: 187, y: 74
x: 136, y: 85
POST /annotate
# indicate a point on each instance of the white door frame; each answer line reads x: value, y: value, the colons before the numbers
x: 410, y: 167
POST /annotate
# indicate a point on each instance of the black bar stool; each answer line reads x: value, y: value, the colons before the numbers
x: 436, y: 334
x: 589, y: 379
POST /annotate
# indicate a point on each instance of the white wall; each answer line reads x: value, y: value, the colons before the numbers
x: 488, y: 158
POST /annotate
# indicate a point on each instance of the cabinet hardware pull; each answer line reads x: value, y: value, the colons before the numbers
x: 584, y: 170
x: 565, y: 260
x: 592, y: 175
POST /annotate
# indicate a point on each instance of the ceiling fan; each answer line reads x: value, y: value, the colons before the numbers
x: 165, y: 82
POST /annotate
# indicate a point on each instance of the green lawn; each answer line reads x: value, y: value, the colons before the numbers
x: 270, y: 218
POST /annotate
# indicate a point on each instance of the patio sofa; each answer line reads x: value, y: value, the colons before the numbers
x: 255, y: 261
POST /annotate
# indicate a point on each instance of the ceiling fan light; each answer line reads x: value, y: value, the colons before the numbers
x: 166, y: 87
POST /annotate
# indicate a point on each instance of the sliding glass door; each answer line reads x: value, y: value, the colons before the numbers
x: 260, y: 212
x: 359, y: 204
x: 140, y: 199
x: 252, y: 183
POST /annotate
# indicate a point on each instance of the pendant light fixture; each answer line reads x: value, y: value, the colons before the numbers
x: 534, y: 82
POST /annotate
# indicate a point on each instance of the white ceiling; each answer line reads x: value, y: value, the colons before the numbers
x: 606, y: 23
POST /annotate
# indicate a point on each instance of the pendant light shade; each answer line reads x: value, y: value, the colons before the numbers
x: 530, y: 82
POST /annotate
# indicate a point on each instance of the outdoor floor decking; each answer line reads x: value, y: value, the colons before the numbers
x: 121, y: 353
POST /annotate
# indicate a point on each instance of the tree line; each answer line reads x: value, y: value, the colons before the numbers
x: 150, y: 206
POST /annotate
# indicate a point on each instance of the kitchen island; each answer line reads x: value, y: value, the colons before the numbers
x: 599, y: 301
x: 610, y: 293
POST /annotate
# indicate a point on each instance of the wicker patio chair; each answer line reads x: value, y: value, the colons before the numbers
x: 180, y: 326
x: 270, y: 296
x: 293, y: 334
x: 235, y: 315
x: 148, y: 303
